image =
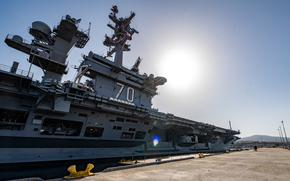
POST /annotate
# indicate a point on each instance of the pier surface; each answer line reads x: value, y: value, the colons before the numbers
x: 265, y: 164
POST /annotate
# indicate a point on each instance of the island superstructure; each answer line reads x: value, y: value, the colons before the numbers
x: 104, y: 112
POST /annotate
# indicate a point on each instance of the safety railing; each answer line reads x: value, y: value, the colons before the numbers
x: 21, y: 72
x: 17, y: 38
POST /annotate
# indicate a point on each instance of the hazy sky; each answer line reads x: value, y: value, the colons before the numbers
x: 238, y: 52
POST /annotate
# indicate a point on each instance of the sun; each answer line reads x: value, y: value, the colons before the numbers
x: 182, y: 69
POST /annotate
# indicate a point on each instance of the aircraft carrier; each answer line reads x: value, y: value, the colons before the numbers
x: 103, y: 112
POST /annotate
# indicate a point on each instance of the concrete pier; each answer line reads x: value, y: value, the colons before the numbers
x: 265, y: 164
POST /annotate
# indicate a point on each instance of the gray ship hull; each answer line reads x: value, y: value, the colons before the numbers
x: 107, y: 116
x: 32, y: 140
x: 34, y: 155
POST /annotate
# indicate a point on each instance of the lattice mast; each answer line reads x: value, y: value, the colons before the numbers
x: 117, y: 43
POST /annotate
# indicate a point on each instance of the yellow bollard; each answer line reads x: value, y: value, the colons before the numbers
x: 74, y: 174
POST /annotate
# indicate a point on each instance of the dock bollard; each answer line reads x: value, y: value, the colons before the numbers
x: 73, y: 173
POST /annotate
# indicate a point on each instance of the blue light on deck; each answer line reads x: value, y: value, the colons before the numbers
x: 156, y: 140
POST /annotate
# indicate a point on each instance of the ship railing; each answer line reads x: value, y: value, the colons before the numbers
x: 20, y: 39
x: 21, y: 72
x: 75, y: 96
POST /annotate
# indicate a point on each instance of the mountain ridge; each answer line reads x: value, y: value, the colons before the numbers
x: 261, y: 138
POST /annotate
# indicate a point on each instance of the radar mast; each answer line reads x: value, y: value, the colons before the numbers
x: 49, y: 48
x: 117, y: 43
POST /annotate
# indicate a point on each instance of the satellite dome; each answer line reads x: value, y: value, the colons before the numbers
x: 17, y: 38
x: 40, y: 30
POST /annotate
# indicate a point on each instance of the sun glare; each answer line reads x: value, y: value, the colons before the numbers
x: 182, y: 69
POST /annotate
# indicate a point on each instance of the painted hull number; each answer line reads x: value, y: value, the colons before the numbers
x: 129, y: 92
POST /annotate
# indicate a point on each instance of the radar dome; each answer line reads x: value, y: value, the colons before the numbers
x: 17, y: 38
x: 40, y: 30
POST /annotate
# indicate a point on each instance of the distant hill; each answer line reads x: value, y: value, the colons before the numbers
x: 260, y: 138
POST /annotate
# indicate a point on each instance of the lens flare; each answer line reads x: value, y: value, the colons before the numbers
x: 156, y: 140
x: 182, y: 68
